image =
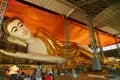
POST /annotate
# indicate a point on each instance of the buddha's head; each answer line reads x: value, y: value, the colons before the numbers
x: 16, y: 28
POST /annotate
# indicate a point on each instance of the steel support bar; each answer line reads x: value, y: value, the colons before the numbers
x: 101, y: 53
x: 99, y: 42
x: 117, y: 44
x: 67, y: 34
x: 3, y: 7
x: 96, y: 59
x: 67, y: 38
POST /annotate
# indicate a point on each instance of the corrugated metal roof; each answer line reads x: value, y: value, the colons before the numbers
x: 52, y: 5
x: 77, y: 9
x: 110, y: 17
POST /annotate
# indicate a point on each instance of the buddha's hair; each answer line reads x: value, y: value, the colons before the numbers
x: 6, y: 22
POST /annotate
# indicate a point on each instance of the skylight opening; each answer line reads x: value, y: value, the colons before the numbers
x: 111, y: 47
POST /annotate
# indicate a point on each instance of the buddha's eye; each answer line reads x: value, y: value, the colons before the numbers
x: 14, y: 29
x: 20, y: 25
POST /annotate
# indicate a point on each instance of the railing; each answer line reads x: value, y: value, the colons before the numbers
x: 84, y: 76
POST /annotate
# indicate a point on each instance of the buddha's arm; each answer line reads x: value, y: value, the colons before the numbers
x: 36, y: 56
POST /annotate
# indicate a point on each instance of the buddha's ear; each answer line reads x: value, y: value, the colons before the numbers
x: 3, y: 26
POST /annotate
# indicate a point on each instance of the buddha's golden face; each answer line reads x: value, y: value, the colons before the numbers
x: 18, y: 30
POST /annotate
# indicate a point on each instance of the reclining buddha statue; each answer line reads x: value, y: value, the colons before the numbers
x: 42, y: 46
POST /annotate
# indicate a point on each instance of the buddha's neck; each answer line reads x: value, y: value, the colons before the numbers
x: 30, y: 40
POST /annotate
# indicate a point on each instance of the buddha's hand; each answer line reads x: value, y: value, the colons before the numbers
x: 4, y: 52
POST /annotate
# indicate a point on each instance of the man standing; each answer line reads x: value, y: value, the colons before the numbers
x: 38, y: 73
